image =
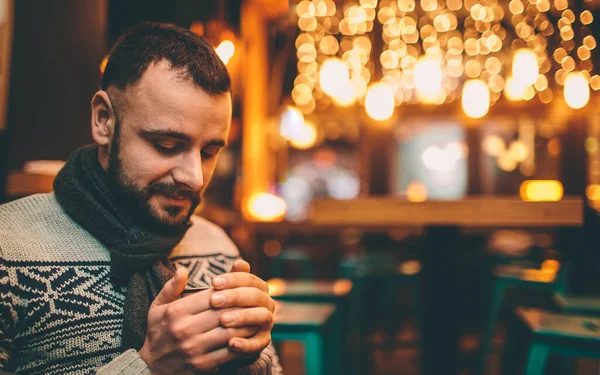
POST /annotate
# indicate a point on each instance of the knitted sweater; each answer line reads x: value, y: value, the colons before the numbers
x: 59, y: 311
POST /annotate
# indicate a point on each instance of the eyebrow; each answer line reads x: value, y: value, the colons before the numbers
x: 178, y: 135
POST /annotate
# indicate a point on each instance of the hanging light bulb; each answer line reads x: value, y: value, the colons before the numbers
x: 576, y: 90
x: 379, y: 101
x: 225, y: 50
x: 306, y: 137
x: 344, y: 95
x: 475, y: 98
x: 334, y: 73
x: 428, y: 77
x: 267, y: 207
x: 525, y: 67
x: 513, y: 90
x: 291, y: 122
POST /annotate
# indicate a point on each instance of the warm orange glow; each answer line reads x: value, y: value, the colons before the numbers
x: 305, y: 136
x: 541, y: 275
x: 494, y: 145
x: 428, y: 77
x: 225, y: 50
x: 525, y: 68
x: 577, y: 90
x: 551, y: 265
x: 416, y: 192
x: 379, y: 101
x: 411, y: 267
x: 291, y: 121
x: 266, y: 207
x: 514, y: 90
x: 342, y: 287
x: 541, y: 190
x: 272, y: 248
x: 197, y: 28
x: 593, y: 192
x: 276, y: 287
x: 554, y: 147
x: 333, y: 74
x: 345, y: 94
x: 518, y: 150
x: 103, y: 64
x: 506, y: 162
x: 475, y: 98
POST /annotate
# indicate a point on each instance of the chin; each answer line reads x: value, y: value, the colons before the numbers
x: 170, y: 217
x: 174, y: 217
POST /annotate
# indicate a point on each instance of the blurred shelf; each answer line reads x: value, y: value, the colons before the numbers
x: 483, y: 212
x: 21, y: 184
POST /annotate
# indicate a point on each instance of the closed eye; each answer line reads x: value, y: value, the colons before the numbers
x: 210, y: 151
x: 168, y: 148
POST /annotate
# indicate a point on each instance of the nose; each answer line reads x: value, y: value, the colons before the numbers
x: 189, y: 171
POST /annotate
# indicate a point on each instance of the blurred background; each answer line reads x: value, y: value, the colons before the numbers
x: 422, y: 168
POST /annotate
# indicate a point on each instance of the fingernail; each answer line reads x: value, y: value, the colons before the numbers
x: 228, y: 318
x: 219, y: 281
x: 218, y: 299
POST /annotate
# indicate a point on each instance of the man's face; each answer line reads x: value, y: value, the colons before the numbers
x: 165, y: 147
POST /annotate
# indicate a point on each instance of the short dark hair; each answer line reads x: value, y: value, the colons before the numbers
x: 150, y: 42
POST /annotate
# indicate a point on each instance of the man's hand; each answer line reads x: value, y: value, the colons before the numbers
x: 241, y: 289
x: 184, y: 335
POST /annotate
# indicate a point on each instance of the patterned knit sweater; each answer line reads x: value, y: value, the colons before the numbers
x: 59, y: 311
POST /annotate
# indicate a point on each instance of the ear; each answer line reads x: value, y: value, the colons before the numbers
x: 103, y: 119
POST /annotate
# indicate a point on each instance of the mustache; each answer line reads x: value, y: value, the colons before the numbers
x: 173, y: 191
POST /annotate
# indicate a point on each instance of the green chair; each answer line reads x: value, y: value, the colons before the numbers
x: 391, y: 274
x: 577, y: 305
x: 289, y: 256
x: 367, y: 269
x: 505, y: 278
x: 314, y: 325
x: 339, y: 292
x: 539, y: 334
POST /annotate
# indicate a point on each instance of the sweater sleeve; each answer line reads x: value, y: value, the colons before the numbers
x: 128, y: 363
x: 7, y: 317
x: 267, y: 363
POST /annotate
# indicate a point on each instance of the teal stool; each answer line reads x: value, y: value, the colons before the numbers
x: 292, y: 256
x: 367, y: 269
x: 577, y: 305
x: 338, y: 293
x: 314, y: 325
x: 549, y: 333
x: 513, y: 277
x: 383, y: 269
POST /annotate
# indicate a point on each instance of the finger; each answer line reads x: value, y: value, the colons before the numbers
x: 219, y: 338
x: 239, y: 279
x: 195, y: 303
x: 196, y: 363
x: 209, y: 362
x: 252, y: 316
x: 173, y: 288
x: 251, y: 345
x: 191, y: 325
x: 240, y: 265
x: 241, y: 297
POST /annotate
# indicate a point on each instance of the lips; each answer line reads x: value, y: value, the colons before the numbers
x: 178, y: 201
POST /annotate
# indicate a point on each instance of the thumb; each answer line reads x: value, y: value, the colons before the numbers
x: 240, y: 266
x: 173, y: 288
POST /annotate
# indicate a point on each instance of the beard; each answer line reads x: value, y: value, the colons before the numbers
x: 135, y: 199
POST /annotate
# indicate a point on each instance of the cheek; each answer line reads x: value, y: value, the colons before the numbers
x: 207, y: 173
x: 143, y: 168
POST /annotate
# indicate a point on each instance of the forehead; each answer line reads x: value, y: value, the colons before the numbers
x: 166, y: 98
